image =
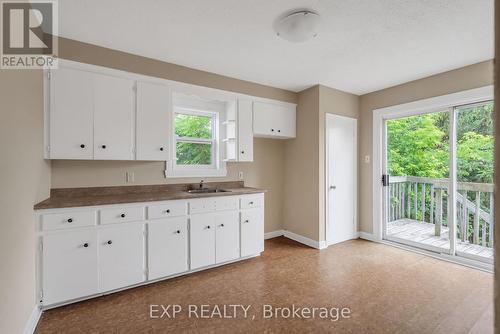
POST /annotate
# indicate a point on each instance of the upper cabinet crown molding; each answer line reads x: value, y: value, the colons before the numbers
x: 94, y: 112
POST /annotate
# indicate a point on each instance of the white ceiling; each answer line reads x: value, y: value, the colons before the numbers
x: 363, y: 45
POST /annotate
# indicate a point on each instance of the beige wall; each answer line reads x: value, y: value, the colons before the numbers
x: 304, y: 207
x: 266, y: 171
x: 468, y: 77
x: 24, y: 180
x: 300, y: 208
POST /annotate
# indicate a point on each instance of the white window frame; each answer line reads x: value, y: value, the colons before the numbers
x: 218, y: 167
x: 448, y: 103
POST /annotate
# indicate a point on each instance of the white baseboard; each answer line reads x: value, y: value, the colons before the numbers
x: 33, y: 320
x: 296, y: 237
x: 367, y: 236
x: 303, y: 240
x: 274, y: 234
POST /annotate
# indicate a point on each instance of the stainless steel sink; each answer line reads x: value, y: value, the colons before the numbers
x: 207, y: 190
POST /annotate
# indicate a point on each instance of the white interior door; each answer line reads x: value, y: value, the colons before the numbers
x: 341, y: 161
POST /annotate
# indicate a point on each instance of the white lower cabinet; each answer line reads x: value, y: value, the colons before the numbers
x: 121, y: 256
x: 252, y: 232
x: 167, y: 247
x: 202, y: 239
x: 69, y: 265
x: 95, y: 250
x: 227, y: 236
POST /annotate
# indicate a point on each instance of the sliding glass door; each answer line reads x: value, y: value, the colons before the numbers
x: 426, y: 157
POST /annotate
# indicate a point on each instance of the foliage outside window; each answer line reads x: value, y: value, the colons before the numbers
x: 195, y: 140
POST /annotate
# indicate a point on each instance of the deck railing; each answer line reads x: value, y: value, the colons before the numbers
x: 426, y: 199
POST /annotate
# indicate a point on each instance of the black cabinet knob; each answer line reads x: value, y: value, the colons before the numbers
x: 122, y: 215
x: 251, y: 203
x: 161, y: 148
x: 85, y: 245
x: 208, y: 226
x: 178, y: 231
x: 110, y: 242
x: 167, y: 211
x: 221, y: 225
x: 272, y: 130
x: 242, y: 152
x: 279, y: 130
x: 247, y: 221
x: 103, y: 146
x: 70, y: 220
x: 82, y: 146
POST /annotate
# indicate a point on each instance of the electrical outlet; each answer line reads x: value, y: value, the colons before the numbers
x: 240, y: 175
x: 130, y: 177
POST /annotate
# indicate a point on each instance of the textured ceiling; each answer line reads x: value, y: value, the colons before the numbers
x: 363, y: 45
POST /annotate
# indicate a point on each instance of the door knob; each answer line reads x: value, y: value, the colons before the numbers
x: 333, y: 187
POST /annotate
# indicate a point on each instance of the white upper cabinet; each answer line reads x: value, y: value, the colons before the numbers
x: 96, y: 113
x: 272, y: 120
x: 245, y: 130
x: 113, y: 118
x: 71, y: 115
x: 153, y: 121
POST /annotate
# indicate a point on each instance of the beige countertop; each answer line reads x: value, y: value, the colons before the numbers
x: 79, y: 197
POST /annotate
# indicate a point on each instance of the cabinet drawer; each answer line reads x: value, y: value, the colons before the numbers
x: 57, y: 221
x: 252, y: 201
x: 170, y: 209
x: 202, y: 205
x: 226, y: 203
x: 122, y: 215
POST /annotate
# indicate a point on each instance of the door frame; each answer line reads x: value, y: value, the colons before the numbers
x: 332, y: 117
x: 425, y: 106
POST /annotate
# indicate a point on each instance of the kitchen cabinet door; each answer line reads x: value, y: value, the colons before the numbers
x: 252, y: 232
x: 227, y: 236
x: 202, y: 240
x: 273, y: 120
x: 71, y: 114
x: 69, y: 265
x: 121, y: 256
x: 114, y: 118
x: 153, y: 121
x: 167, y: 247
x: 245, y: 130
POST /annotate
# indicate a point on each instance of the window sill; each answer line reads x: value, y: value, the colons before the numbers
x: 178, y: 173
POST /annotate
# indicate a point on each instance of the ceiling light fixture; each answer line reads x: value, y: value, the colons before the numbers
x: 297, y: 26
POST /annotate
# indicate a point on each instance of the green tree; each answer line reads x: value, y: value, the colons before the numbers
x: 192, y: 126
x: 416, y: 147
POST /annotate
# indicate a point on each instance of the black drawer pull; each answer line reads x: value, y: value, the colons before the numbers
x: 70, y: 220
x: 85, y: 245
x: 82, y: 146
x: 122, y: 215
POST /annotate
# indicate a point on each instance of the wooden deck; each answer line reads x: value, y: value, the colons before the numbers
x: 418, y: 232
